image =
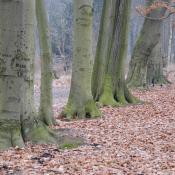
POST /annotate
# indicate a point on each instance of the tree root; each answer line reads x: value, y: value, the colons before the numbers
x: 39, y: 133
x: 47, y: 119
x: 88, y: 110
x: 121, y: 97
x: 36, y: 133
x: 10, y: 137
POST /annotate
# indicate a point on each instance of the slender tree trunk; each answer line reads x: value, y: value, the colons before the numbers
x: 18, y: 122
x: 81, y: 101
x: 45, y: 110
x: 170, y: 41
x: 173, y: 46
x: 147, y: 41
x: 108, y: 74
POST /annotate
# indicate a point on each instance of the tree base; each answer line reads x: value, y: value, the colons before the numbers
x: 121, y: 97
x: 37, y: 133
x: 47, y: 119
x: 10, y: 137
x: 122, y: 101
x: 88, y: 110
x: 108, y: 100
x: 139, y: 85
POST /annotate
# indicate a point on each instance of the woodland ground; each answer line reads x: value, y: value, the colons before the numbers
x: 130, y: 140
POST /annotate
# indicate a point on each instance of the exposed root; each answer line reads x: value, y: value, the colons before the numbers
x: 10, y: 135
x: 47, y: 119
x: 107, y: 97
x: 88, y: 110
x: 38, y: 133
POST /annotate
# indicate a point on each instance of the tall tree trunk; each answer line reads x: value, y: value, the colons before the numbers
x: 18, y: 122
x: 170, y: 41
x: 155, y: 66
x: 147, y: 41
x: 103, y: 52
x: 109, y: 86
x: 81, y: 101
x: 45, y: 110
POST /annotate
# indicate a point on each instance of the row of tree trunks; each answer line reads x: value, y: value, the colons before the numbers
x: 18, y: 119
x: 108, y: 84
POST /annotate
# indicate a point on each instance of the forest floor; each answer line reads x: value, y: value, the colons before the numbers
x: 130, y: 140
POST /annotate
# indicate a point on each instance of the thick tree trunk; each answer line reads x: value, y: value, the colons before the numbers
x: 103, y: 52
x: 111, y: 53
x: 45, y: 110
x: 144, y: 49
x: 155, y: 66
x: 81, y: 103
x: 18, y: 122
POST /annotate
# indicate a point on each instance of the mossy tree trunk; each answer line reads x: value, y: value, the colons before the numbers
x: 108, y: 83
x: 45, y: 110
x: 155, y: 66
x: 148, y: 43
x: 81, y: 103
x: 103, y: 52
x: 18, y: 121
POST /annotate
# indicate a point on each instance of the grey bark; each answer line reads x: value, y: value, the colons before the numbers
x: 18, y: 121
x: 108, y: 83
x: 45, y: 110
x: 81, y: 103
x: 150, y: 37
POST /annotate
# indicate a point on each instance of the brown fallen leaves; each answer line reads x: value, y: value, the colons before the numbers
x: 132, y: 140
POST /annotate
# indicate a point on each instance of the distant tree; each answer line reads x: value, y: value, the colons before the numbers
x: 45, y: 109
x: 61, y: 30
x: 136, y: 22
x: 81, y: 103
x: 146, y: 65
x: 97, y: 6
x: 108, y: 83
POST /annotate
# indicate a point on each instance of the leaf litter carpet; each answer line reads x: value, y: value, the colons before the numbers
x: 130, y: 140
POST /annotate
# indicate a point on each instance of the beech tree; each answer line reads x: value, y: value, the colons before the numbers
x: 146, y: 65
x: 108, y: 83
x: 18, y: 119
x: 45, y: 110
x: 81, y: 103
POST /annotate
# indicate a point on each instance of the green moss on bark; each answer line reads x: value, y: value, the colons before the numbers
x: 86, y: 110
x: 45, y: 110
x: 91, y: 109
x: 81, y: 103
x: 38, y: 133
x: 109, y: 86
x: 18, y: 119
x: 69, y: 111
x: 10, y: 134
x: 107, y: 97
